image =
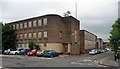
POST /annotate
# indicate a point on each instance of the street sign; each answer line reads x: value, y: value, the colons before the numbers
x: 118, y: 40
x: 114, y: 41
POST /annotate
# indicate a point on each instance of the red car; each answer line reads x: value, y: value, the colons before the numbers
x: 33, y: 52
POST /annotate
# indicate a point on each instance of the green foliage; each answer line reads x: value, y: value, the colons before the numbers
x: 115, y: 33
x: 8, y: 36
x: 66, y: 14
x: 36, y: 46
x: 30, y: 45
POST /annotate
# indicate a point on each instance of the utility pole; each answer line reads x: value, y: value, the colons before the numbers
x: 76, y: 9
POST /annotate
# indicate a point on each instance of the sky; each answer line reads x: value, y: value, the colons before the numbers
x: 95, y: 16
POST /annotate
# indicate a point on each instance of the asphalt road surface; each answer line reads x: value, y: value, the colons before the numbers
x: 61, y: 61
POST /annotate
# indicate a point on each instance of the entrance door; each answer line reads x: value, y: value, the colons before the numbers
x: 65, y: 45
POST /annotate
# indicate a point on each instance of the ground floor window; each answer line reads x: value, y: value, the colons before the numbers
x: 45, y: 44
x: 17, y: 45
x: 25, y: 45
x: 20, y: 45
x: 39, y: 44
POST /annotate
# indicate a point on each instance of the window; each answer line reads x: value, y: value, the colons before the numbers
x: 30, y: 35
x: 13, y: 26
x: 17, y: 26
x: 45, y: 34
x: 25, y: 36
x: 60, y: 34
x: 21, y: 26
x: 39, y: 44
x: 17, y: 45
x: 45, y: 44
x: 20, y: 45
x: 17, y: 36
x: 34, y: 35
x: 30, y: 24
x: 39, y: 23
x: 45, y: 22
x: 25, y: 45
x: 25, y: 25
x: 34, y: 23
x: 39, y: 35
x: 21, y: 36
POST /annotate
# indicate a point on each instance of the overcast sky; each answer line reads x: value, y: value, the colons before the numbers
x: 96, y: 16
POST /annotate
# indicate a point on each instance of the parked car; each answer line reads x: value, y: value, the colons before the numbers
x: 40, y: 52
x: 50, y: 53
x: 33, y: 52
x: 2, y: 51
x: 93, y: 52
x: 6, y: 52
x: 100, y: 51
x: 15, y: 52
x: 24, y: 52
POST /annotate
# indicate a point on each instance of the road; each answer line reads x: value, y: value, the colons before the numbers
x: 61, y: 61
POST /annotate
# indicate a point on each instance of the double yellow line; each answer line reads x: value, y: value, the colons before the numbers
x: 103, y: 59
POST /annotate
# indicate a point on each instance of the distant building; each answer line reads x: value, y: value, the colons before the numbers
x: 87, y: 41
x: 99, y: 43
x: 119, y: 9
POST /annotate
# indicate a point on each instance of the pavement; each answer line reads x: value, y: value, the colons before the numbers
x: 109, y: 61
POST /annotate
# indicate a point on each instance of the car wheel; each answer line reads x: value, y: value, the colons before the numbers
x: 33, y: 54
x: 16, y: 53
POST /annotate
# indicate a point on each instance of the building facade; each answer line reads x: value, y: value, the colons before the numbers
x: 87, y: 41
x: 99, y: 43
x: 49, y: 32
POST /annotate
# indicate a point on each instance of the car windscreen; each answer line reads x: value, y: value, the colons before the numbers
x: 33, y: 50
x: 20, y: 49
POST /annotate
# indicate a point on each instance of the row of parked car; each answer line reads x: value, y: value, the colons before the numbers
x: 34, y: 52
x: 96, y: 51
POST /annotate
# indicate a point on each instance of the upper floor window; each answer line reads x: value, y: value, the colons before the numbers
x: 45, y: 34
x: 39, y: 35
x: 17, y: 36
x: 34, y: 23
x: 30, y: 35
x: 25, y: 25
x: 34, y: 35
x: 17, y: 26
x: 60, y: 34
x: 13, y: 26
x: 21, y: 36
x: 45, y: 22
x: 39, y: 23
x: 25, y: 36
x: 21, y: 26
x: 30, y: 24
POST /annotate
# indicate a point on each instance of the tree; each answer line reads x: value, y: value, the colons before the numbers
x: 36, y: 46
x: 8, y: 37
x: 115, y: 34
x: 31, y: 45
x: 66, y: 14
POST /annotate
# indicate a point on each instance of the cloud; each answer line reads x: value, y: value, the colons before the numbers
x: 96, y: 16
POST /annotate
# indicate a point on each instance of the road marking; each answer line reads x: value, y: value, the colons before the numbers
x: 103, y: 59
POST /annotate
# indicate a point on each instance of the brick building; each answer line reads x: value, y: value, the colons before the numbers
x: 99, y: 43
x: 49, y: 32
x: 88, y: 41
x: 54, y: 32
